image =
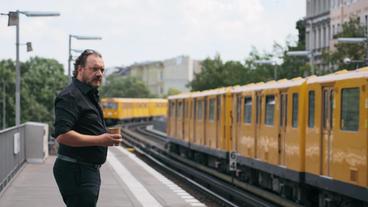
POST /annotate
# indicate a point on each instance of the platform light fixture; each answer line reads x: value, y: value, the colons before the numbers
x: 303, y: 53
x: 14, y: 21
x: 77, y: 37
x: 269, y: 62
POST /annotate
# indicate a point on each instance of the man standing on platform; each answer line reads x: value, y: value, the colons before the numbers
x: 81, y: 132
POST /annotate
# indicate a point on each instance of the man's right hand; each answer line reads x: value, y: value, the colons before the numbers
x: 110, y: 139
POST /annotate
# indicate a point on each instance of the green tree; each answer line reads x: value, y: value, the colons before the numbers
x: 211, y: 76
x: 171, y: 92
x: 120, y: 86
x: 42, y: 79
x: 7, y: 74
x: 216, y: 73
x: 355, y: 52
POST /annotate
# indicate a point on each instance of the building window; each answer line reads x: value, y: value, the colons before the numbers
x: 270, y: 109
x: 161, y: 75
x: 350, y: 109
x: 247, y: 110
x: 295, y: 110
x: 311, y: 108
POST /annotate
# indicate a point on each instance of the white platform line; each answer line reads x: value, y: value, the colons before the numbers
x: 138, y: 190
x: 178, y: 190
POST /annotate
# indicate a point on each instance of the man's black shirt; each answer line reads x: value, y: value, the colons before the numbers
x: 77, y: 108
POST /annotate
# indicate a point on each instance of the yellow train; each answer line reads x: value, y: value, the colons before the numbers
x: 304, y: 139
x: 127, y: 109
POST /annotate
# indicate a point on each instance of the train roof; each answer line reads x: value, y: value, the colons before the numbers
x: 340, y: 75
x: 133, y: 100
x: 284, y: 83
x: 196, y: 94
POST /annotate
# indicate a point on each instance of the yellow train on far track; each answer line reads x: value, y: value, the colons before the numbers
x: 127, y: 109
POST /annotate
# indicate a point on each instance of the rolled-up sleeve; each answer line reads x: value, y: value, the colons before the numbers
x: 66, y: 114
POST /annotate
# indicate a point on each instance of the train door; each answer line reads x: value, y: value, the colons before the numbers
x: 194, y: 119
x: 327, y: 126
x: 174, y: 118
x: 204, y: 118
x: 187, y: 108
x: 258, y: 122
x: 283, y: 124
x: 211, y: 126
x: 218, y: 121
x: 184, y: 119
x: 238, y: 121
x: 179, y: 123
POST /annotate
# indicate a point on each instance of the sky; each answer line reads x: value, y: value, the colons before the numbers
x: 135, y: 31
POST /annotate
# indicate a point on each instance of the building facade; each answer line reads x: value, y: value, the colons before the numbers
x: 324, y: 19
x: 317, y: 31
x: 342, y: 11
x: 179, y: 72
x: 161, y: 76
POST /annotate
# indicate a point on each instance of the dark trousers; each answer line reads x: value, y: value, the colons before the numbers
x: 79, y: 184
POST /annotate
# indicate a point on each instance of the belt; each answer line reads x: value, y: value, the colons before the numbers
x: 72, y: 160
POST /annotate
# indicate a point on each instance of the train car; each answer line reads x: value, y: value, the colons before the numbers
x: 198, y: 123
x: 336, y: 135
x: 268, y: 134
x: 304, y: 139
x: 126, y: 109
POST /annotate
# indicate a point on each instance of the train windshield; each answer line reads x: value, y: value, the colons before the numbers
x: 110, y: 105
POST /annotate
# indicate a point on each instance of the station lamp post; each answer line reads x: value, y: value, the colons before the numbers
x: 14, y: 21
x: 303, y: 53
x: 77, y: 37
x: 268, y: 62
x: 355, y: 40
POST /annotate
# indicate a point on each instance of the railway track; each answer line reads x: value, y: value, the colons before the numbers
x: 223, y: 189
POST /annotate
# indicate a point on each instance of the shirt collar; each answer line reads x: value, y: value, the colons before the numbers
x: 84, y: 88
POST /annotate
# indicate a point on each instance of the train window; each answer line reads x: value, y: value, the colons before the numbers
x: 350, y: 109
x: 247, y: 110
x: 270, y: 110
x: 179, y: 109
x: 238, y: 109
x: 311, y: 108
x: 295, y: 110
x: 218, y: 106
x: 185, y: 110
x: 172, y: 108
x: 211, y: 116
x: 110, y: 105
x: 200, y: 110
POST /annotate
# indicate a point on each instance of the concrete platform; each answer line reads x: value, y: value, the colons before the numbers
x: 126, y: 182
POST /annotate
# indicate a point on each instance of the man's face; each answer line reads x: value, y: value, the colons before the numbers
x: 93, y: 71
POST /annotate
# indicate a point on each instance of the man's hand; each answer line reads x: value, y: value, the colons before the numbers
x: 110, y: 139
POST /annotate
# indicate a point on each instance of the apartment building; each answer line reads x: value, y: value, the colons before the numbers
x: 160, y: 76
x: 318, y: 32
x: 342, y: 11
x: 324, y: 19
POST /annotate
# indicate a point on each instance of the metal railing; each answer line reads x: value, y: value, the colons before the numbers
x: 12, y: 153
x: 27, y: 142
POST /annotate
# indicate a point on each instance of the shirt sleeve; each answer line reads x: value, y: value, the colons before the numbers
x: 66, y: 114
